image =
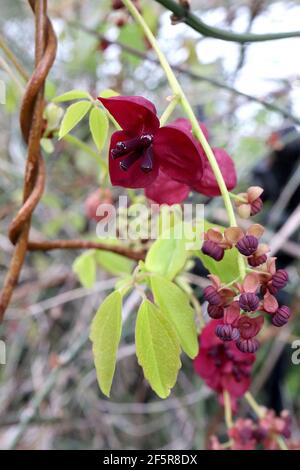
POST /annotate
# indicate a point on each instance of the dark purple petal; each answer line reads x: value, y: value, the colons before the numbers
x: 178, y: 154
x: 207, y: 184
x: 165, y: 190
x: 134, y: 114
x: 134, y: 176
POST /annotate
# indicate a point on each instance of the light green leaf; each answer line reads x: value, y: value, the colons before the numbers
x: 174, y: 303
x: 227, y: 269
x: 74, y: 113
x: 108, y: 93
x: 85, y: 268
x: 166, y: 257
x: 98, y: 126
x: 157, y: 348
x: 72, y: 95
x: 105, y: 335
x: 114, y: 263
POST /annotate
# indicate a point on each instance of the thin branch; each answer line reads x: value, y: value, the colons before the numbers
x: 194, y: 75
x: 11, y: 56
x: 85, y: 244
x: 197, y: 24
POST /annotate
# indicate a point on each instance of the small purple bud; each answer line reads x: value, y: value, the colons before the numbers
x: 279, y: 281
x: 247, y: 345
x: 255, y: 261
x: 213, y: 250
x: 214, y: 311
x: 256, y: 206
x: 247, y: 245
x: 281, y: 317
x: 249, y: 302
x: 212, y: 296
x: 227, y: 333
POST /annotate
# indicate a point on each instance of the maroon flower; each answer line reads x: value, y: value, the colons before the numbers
x: 242, y: 434
x: 142, y: 147
x: 250, y: 203
x: 222, y: 365
x: 167, y: 160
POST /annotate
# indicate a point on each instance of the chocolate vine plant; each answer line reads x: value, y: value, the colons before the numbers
x: 169, y: 159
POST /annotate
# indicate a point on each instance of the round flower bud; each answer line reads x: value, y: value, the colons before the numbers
x: 279, y: 281
x: 227, y: 332
x: 255, y: 261
x: 212, y: 296
x: 247, y: 345
x: 249, y: 302
x: 281, y: 317
x: 256, y: 206
x: 214, y: 311
x: 247, y: 245
x: 213, y: 250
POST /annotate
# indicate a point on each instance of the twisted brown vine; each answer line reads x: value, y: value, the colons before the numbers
x: 31, y: 118
x: 31, y: 122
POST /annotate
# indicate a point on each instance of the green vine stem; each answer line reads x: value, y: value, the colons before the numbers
x: 195, y: 23
x: 227, y: 409
x: 169, y: 110
x: 178, y: 91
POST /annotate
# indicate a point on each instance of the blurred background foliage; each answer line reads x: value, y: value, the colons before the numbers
x: 50, y: 313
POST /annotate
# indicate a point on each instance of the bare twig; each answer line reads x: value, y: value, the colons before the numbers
x: 194, y: 75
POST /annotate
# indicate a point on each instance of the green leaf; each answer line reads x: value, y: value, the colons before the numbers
x: 98, y: 126
x: 108, y: 93
x: 74, y: 113
x: 72, y: 95
x: 105, y: 335
x: 114, y: 263
x: 166, y: 257
x: 157, y: 348
x: 174, y: 303
x: 85, y: 268
x: 227, y: 269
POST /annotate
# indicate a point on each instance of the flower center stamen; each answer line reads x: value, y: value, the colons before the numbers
x: 127, y: 146
x: 132, y: 150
